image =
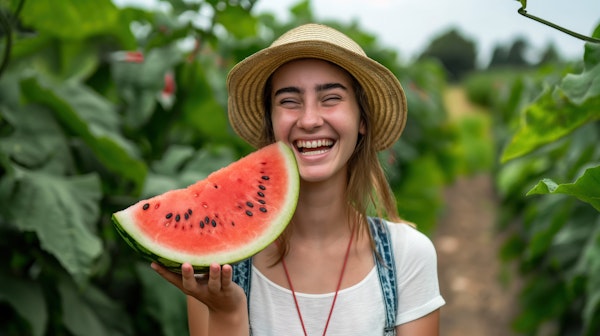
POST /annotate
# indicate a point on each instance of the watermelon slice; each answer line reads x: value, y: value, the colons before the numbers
x: 229, y: 216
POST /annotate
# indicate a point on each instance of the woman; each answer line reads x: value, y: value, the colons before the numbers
x: 335, y: 270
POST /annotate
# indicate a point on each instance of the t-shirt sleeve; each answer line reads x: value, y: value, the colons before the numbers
x: 416, y: 272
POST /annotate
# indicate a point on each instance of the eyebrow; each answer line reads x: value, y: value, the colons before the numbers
x: 318, y: 88
x: 329, y: 86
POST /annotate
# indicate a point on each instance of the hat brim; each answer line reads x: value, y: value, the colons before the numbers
x: 247, y: 80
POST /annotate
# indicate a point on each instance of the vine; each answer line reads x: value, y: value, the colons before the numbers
x: 5, y: 24
x: 523, y: 12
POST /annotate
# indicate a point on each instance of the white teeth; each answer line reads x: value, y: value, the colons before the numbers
x: 314, y: 152
x: 314, y: 143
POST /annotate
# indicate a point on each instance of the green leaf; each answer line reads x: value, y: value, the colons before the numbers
x: 181, y: 167
x: 420, y: 197
x: 75, y: 19
x: 583, y: 87
x: 590, y: 265
x: 27, y: 298
x: 89, y: 312
x: 62, y: 212
x: 201, y: 109
x: 586, y: 187
x: 545, y: 221
x: 139, y: 84
x: 163, y: 301
x: 237, y: 21
x: 94, y: 119
x: 37, y: 139
x: 557, y: 113
x: 591, y: 55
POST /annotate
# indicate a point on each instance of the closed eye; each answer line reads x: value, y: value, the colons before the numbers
x: 331, y: 100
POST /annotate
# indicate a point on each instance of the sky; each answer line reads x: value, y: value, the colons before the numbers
x: 408, y: 26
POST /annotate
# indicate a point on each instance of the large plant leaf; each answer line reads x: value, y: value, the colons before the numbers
x: 47, y: 146
x: 94, y: 119
x: 585, y: 188
x: 74, y: 19
x: 27, y: 298
x: 89, y: 312
x: 60, y: 210
x: 557, y: 113
x: 163, y: 301
x: 237, y: 21
x: 201, y: 108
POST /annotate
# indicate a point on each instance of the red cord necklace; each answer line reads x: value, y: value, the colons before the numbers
x: 287, y: 275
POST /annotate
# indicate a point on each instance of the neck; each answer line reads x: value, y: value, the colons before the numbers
x: 322, y: 210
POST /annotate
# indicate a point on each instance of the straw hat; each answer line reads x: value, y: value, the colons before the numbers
x: 247, y: 80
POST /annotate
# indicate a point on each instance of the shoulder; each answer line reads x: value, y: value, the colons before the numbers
x: 412, y: 248
x: 408, y: 236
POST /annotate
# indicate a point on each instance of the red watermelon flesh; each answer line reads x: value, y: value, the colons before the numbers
x: 229, y: 216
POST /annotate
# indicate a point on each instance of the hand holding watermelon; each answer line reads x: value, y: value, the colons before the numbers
x: 225, y: 300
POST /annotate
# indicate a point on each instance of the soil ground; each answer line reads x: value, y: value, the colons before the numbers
x: 477, y: 301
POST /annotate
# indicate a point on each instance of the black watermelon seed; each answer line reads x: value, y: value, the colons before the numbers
x: 169, y: 215
x: 190, y: 212
x: 265, y: 177
x: 260, y: 194
x: 177, y: 218
x: 262, y: 202
x: 213, y: 223
x: 187, y: 216
x: 201, y: 225
x: 262, y: 209
x: 146, y: 206
x: 262, y: 187
x: 249, y: 213
x: 206, y: 219
x: 250, y: 205
x: 232, y: 223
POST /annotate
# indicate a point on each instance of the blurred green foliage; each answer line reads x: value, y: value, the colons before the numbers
x: 101, y: 106
x: 546, y: 124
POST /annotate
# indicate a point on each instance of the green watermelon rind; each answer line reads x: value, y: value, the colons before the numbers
x: 173, y: 260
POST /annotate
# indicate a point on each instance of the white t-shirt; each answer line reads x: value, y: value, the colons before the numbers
x: 359, y: 310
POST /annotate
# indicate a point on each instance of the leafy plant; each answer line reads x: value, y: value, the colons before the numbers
x: 547, y: 123
x: 101, y: 106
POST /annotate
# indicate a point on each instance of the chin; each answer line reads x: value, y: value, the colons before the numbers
x: 316, y: 175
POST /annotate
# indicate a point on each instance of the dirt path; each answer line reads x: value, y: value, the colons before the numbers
x: 476, y: 301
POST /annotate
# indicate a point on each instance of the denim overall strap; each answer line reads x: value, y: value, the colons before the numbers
x: 242, y: 274
x: 386, y: 269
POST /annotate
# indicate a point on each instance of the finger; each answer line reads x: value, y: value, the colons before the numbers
x: 189, y: 281
x: 226, y: 276
x: 214, y: 278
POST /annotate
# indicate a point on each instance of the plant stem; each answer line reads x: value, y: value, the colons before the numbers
x: 523, y: 12
x: 5, y: 25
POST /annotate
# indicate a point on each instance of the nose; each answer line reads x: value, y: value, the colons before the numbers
x: 310, y: 118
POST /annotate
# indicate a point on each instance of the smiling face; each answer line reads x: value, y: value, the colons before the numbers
x: 314, y: 109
